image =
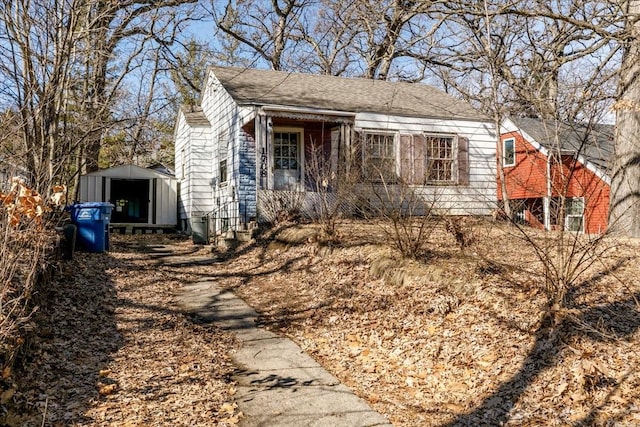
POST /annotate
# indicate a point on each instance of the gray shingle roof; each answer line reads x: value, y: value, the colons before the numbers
x: 194, y: 116
x: 266, y: 87
x: 594, y: 143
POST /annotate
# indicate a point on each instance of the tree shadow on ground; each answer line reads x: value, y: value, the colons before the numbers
x: 607, y: 322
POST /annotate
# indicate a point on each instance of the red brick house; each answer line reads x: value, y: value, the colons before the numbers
x: 556, y: 175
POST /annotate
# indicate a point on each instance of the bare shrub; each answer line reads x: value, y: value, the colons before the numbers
x: 567, y: 253
x: 26, y: 245
x: 405, y: 216
x: 459, y: 228
x: 566, y: 259
x: 281, y: 206
x: 332, y: 186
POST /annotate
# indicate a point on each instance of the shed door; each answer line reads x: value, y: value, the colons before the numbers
x: 287, y: 167
x: 131, y: 200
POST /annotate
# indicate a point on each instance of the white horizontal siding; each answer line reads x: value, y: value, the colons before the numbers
x: 227, y: 118
x: 477, y: 198
x: 181, y: 142
x: 192, y: 161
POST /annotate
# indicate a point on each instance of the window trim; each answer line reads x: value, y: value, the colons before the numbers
x: 223, y: 155
x: 454, y: 158
x: 395, y: 135
x: 397, y: 153
x: 504, y: 151
x: 581, y: 216
x: 223, y: 179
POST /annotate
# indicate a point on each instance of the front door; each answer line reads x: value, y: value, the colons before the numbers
x: 287, y: 160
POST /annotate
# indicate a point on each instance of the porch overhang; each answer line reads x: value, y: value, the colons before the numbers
x: 312, y: 114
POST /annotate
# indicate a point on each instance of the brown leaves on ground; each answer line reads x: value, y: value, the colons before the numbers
x: 460, y: 338
x: 113, y: 349
x: 456, y: 339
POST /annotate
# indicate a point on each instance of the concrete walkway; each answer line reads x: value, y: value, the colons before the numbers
x: 278, y: 384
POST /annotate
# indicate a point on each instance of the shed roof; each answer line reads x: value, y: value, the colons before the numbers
x: 594, y: 142
x: 130, y: 172
x: 266, y: 87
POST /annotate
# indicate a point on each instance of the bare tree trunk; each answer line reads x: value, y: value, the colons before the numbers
x: 625, y: 182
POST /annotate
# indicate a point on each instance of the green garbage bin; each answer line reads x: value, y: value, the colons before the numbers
x: 92, y: 222
x: 200, y: 230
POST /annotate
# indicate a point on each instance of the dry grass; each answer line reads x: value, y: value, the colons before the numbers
x: 25, y: 255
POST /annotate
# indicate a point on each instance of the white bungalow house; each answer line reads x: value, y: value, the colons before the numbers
x: 254, y: 132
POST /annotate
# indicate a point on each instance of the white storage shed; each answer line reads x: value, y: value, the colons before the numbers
x: 142, y: 198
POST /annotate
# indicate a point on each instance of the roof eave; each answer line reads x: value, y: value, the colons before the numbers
x: 343, y: 113
x: 297, y: 109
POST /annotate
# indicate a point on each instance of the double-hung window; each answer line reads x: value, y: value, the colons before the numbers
x: 380, y: 157
x: 440, y: 159
x: 574, y: 214
x: 420, y: 159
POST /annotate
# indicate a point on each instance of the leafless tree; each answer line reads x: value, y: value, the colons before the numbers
x: 36, y: 50
x: 381, y: 33
x: 537, y: 62
x: 263, y: 27
x: 63, y: 65
x: 107, y: 25
x: 359, y: 37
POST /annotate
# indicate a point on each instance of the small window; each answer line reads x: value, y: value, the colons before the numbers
x: 575, y: 214
x: 223, y: 174
x: 509, y: 152
x: 223, y: 171
x: 379, y: 157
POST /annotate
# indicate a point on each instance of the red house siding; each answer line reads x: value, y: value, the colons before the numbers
x: 584, y: 183
x: 527, y: 179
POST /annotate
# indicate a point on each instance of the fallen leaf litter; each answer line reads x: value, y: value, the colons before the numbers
x: 454, y: 338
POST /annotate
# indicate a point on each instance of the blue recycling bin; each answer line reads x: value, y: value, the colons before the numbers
x: 92, y: 220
